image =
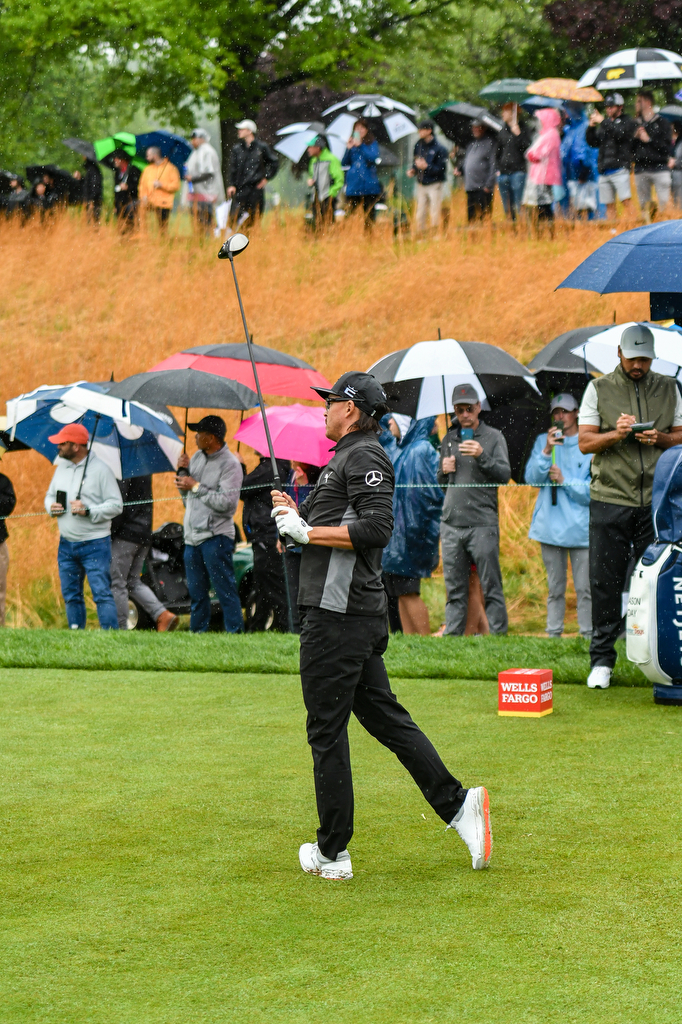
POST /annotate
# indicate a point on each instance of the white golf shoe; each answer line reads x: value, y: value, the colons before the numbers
x: 315, y: 863
x: 599, y: 678
x: 472, y: 824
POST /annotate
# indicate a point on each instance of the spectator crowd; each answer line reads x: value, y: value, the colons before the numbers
x: 593, y: 471
x: 558, y: 163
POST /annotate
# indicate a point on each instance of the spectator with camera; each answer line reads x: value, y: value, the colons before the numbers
x: 562, y: 513
x: 210, y: 483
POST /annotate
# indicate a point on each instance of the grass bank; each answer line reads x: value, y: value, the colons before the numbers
x: 149, y: 860
x: 407, y: 656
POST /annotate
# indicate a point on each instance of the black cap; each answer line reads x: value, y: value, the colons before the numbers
x: 427, y: 124
x: 210, y: 425
x: 614, y: 99
x: 361, y: 388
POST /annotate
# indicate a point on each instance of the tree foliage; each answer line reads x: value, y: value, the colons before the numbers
x: 594, y: 28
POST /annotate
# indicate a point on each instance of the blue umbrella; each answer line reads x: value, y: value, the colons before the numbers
x: 174, y: 147
x: 645, y: 259
x: 132, y: 439
x: 534, y: 103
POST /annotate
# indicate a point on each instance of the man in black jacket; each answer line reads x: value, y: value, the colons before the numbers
x: 429, y: 168
x: 344, y: 633
x: 259, y: 529
x: 126, y: 182
x: 252, y: 165
x: 131, y: 535
x: 613, y: 136
x: 652, y: 150
x: 8, y: 500
x: 512, y: 142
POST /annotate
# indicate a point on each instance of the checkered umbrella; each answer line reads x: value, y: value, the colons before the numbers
x: 629, y: 69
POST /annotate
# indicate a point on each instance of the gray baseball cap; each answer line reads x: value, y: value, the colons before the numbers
x: 637, y: 342
x: 563, y: 401
x: 464, y: 394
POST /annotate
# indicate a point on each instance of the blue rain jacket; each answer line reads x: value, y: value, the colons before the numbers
x: 359, y: 163
x: 413, y: 547
x: 579, y: 160
x: 565, y: 524
x: 387, y: 440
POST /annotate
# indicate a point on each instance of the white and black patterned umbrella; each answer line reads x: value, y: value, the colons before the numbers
x: 419, y: 382
x: 629, y: 69
x: 388, y: 119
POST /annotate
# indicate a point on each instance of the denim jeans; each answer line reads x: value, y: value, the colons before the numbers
x: 511, y: 192
x: 91, y: 558
x: 206, y: 564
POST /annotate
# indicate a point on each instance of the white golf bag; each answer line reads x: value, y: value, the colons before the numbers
x: 654, y: 613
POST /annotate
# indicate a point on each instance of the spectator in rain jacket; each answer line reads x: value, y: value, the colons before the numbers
x: 252, y: 165
x: 126, y: 183
x: 363, y: 187
x: 563, y: 529
x: 479, y: 172
x: 325, y: 177
x: 579, y: 162
x: 412, y: 552
x: 430, y: 169
x: 545, y: 171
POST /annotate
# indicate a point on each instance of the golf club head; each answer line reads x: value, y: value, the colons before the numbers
x: 232, y: 246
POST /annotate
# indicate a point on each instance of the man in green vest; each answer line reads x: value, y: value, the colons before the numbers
x: 622, y: 477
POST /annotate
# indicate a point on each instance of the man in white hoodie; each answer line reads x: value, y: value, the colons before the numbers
x: 84, y: 497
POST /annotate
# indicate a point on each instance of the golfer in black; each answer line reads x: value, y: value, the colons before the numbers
x: 344, y: 525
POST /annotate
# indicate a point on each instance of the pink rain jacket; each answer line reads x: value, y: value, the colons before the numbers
x: 545, y: 153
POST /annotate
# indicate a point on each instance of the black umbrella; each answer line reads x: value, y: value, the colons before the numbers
x: 672, y: 113
x: 558, y: 370
x: 454, y: 120
x: 81, y: 147
x: 65, y: 185
x: 419, y: 381
x: 185, y: 389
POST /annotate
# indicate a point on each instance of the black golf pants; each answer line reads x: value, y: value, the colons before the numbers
x: 619, y: 536
x: 342, y: 670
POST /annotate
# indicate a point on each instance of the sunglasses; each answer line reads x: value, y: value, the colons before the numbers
x: 330, y: 401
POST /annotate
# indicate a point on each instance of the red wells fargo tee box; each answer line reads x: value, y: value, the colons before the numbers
x: 525, y: 692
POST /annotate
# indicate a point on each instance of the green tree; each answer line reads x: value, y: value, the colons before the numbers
x: 233, y: 53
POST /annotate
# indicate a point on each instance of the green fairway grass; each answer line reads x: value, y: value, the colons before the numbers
x: 480, y: 657
x: 149, y: 873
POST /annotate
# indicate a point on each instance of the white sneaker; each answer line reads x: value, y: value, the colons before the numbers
x: 472, y: 824
x: 315, y: 863
x: 599, y: 678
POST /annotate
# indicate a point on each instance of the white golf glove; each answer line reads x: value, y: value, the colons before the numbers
x: 290, y: 524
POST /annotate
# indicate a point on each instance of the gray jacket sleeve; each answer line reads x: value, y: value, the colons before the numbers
x: 110, y: 502
x: 494, y: 464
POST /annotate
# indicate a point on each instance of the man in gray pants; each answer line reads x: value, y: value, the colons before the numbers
x: 472, y: 453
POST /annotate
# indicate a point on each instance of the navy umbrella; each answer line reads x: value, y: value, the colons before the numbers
x: 645, y: 259
x: 172, y: 146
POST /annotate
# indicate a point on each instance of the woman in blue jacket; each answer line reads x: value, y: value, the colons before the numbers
x: 563, y: 529
x: 363, y: 187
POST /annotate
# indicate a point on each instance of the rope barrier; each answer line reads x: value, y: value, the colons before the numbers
x: 259, y: 487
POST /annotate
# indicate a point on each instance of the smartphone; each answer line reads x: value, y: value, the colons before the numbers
x: 466, y: 434
x: 61, y: 499
x: 558, y: 433
x: 638, y: 428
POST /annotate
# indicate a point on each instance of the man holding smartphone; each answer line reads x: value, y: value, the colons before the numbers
x: 627, y: 418
x: 472, y: 453
x: 84, y: 497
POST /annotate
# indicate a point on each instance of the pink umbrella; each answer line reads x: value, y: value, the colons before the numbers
x: 297, y: 431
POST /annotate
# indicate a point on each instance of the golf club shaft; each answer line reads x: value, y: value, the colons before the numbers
x: 275, y: 471
x: 554, y: 486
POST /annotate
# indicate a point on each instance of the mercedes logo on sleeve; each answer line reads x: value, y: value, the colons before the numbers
x: 374, y: 478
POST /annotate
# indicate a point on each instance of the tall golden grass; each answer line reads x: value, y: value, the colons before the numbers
x: 78, y: 302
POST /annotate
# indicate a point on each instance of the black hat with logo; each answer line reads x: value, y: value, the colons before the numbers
x: 361, y: 388
x: 210, y: 425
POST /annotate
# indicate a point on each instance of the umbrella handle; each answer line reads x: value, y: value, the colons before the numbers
x: 555, y: 491
x: 87, y: 457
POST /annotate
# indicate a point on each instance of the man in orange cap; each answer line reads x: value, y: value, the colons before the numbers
x: 84, y: 496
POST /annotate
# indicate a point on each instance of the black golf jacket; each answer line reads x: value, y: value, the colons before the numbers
x: 135, y: 521
x: 259, y: 526
x: 354, y: 490
x: 8, y: 500
x: 250, y: 164
x: 614, y: 140
x: 654, y: 155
